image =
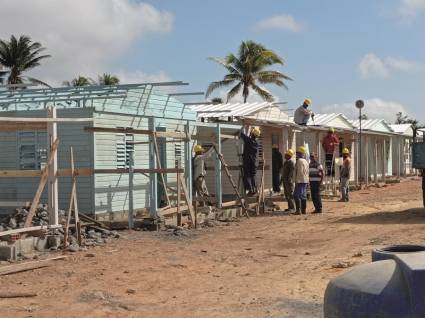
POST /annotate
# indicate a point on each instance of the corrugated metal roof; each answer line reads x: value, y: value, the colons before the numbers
x: 229, y: 110
x: 371, y: 124
x: 326, y: 119
x: 405, y: 129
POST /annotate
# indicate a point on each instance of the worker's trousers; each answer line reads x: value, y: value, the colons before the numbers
x: 315, y: 195
x: 249, y: 182
x: 288, y: 189
x: 202, y: 190
x: 344, y: 185
x: 300, y: 197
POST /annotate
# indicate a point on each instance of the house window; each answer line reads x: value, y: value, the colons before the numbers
x: 124, y: 146
x: 32, y: 147
x: 177, y: 154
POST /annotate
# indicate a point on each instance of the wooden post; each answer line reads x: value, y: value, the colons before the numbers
x: 376, y: 160
x: 218, y: 185
x: 153, y: 178
x: 366, y: 154
x: 179, y: 216
x: 52, y: 170
x: 384, y: 159
x: 158, y: 162
x: 188, y: 159
x: 131, y: 191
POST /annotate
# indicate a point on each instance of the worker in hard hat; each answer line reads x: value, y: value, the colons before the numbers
x: 330, y: 144
x: 303, y: 114
x: 345, y: 174
x: 316, y: 179
x: 288, y: 171
x: 199, y: 173
x: 301, y: 176
x: 277, y: 163
x: 249, y: 159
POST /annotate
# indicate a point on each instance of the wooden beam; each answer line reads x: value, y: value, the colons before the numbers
x: 42, y: 120
x: 14, y: 204
x: 52, y: 185
x: 43, y: 181
x: 83, y: 172
x: 213, y: 136
x: 9, y: 127
x: 187, y: 199
x: 158, y: 162
x: 124, y: 130
x: 29, y: 229
x: 166, y: 170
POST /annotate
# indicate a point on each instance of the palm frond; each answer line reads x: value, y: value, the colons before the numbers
x: 37, y: 81
x: 264, y: 94
x: 234, y: 91
x: 226, y: 64
x: 215, y: 85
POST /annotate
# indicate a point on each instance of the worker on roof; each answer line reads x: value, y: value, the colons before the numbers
x: 288, y: 171
x: 277, y: 163
x: 302, y: 114
x: 330, y: 144
x: 199, y: 173
x: 249, y: 159
x: 345, y: 174
x: 301, y: 176
x: 316, y: 179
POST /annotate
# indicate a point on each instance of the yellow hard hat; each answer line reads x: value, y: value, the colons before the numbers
x: 331, y: 129
x: 256, y: 131
x: 198, y: 148
x: 301, y: 150
x: 275, y: 146
x: 307, y: 101
x: 345, y: 151
x: 290, y: 152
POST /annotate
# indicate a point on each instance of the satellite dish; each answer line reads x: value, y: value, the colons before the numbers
x: 359, y: 104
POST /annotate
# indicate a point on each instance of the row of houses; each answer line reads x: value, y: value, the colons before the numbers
x: 146, y: 107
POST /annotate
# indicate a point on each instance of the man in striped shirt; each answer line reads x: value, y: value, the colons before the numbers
x: 316, y: 178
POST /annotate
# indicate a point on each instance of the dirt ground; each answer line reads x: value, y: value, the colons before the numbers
x: 271, y: 266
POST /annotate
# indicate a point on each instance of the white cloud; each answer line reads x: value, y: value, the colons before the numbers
x: 279, y: 22
x: 82, y: 36
x: 375, y: 108
x: 141, y: 77
x: 373, y: 66
x: 409, y: 9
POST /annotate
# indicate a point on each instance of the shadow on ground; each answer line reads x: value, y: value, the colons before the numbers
x: 409, y: 216
x: 295, y: 308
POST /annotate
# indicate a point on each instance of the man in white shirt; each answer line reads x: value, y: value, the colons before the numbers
x: 301, y: 177
x: 303, y: 114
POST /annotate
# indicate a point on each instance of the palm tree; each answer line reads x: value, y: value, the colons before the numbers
x: 79, y: 81
x: 21, y: 55
x: 217, y: 100
x: 248, y: 70
x: 108, y: 79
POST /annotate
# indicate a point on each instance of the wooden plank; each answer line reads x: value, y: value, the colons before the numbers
x: 24, y: 267
x: 90, y: 219
x: 83, y: 172
x: 208, y: 137
x: 52, y: 184
x: 7, y: 127
x: 41, y: 185
x: 187, y: 199
x: 125, y: 130
x: 25, y: 120
x: 179, y: 216
x: 17, y: 295
x: 29, y: 229
x: 119, y: 171
x: 13, y: 204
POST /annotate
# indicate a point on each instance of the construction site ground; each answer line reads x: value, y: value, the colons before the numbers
x: 268, y: 266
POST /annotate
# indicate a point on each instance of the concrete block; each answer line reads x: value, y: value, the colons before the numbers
x: 40, y: 243
x: 8, y: 253
x: 54, y: 241
x: 25, y: 245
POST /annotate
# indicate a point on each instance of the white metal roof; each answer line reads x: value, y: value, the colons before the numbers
x: 336, y: 120
x: 373, y: 124
x: 404, y: 129
x: 229, y: 109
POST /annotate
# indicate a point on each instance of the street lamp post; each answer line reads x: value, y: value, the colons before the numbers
x: 359, y: 106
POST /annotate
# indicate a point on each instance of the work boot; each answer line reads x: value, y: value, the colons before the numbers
x: 297, y: 207
x: 303, y: 206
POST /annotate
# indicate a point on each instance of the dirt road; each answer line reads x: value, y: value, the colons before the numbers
x: 275, y: 266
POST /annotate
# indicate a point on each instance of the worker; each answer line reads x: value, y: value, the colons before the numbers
x: 316, y: 179
x: 288, y: 180
x: 199, y: 172
x: 301, y: 180
x: 249, y: 158
x: 277, y: 164
x: 330, y: 144
x: 302, y: 114
x: 345, y: 175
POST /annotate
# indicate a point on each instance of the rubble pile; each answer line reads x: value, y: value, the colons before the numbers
x: 17, y: 219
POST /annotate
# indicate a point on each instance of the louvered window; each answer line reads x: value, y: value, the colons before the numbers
x: 124, y: 146
x: 177, y: 154
x: 32, y: 147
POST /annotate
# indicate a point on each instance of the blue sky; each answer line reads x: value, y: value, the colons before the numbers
x: 335, y: 50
